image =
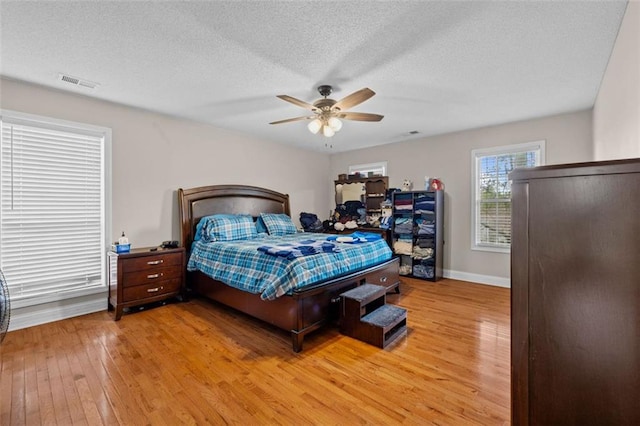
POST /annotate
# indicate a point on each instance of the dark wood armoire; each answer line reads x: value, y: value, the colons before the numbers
x: 575, y: 294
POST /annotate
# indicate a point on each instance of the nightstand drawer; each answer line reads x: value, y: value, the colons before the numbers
x: 158, y: 288
x: 150, y: 276
x: 145, y: 263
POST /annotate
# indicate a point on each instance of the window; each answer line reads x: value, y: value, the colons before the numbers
x: 53, y: 207
x: 364, y: 169
x: 491, y: 217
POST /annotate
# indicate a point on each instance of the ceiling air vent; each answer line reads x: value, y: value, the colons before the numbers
x: 77, y: 81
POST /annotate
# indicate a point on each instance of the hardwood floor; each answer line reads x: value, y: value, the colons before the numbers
x: 200, y: 363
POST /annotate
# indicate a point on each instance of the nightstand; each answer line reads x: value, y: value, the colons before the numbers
x: 143, y: 276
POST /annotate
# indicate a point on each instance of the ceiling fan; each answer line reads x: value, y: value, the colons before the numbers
x: 328, y: 112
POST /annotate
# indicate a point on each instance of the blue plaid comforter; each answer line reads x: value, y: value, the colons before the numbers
x: 240, y: 264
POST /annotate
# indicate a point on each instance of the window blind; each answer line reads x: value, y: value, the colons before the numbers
x: 492, y: 201
x: 52, y: 216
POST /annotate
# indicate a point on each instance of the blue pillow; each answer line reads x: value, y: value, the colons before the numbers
x: 278, y: 224
x: 198, y: 234
x: 260, y: 226
x: 226, y: 227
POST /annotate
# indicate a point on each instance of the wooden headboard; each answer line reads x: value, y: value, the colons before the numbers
x: 195, y: 203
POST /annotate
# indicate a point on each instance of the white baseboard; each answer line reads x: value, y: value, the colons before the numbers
x: 477, y: 278
x: 28, y: 316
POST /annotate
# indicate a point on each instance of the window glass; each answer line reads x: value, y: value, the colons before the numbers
x: 364, y: 169
x: 491, y: 221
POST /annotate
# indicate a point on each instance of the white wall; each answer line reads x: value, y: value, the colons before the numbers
x: 448, y: 157
x: 153, y: 155
x: 616, y: 113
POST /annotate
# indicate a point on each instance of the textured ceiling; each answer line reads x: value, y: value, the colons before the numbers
x: 436, y: 67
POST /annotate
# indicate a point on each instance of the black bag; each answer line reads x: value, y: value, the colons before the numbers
x: 310, y: 222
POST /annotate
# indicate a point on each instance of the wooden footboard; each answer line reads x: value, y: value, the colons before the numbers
x: 303, y: 311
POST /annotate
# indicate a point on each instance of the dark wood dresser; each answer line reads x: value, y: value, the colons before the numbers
x: 575, y: 294
x: 144, y: 276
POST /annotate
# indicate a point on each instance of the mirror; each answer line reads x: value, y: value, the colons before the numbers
x: 349, y: 192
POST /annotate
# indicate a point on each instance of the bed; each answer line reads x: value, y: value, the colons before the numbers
x: 299, y: 311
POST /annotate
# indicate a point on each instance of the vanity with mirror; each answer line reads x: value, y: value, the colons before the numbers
x: 371, y: 191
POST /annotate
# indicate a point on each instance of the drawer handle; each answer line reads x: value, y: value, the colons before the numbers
x: 335, y: 299
x: 155, y: 262
x: 152, y: 276
x: 154, y: 290
x: 383, y: 279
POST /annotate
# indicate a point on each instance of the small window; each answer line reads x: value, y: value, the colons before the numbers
x: 364, y: 169
x: 491, y: 194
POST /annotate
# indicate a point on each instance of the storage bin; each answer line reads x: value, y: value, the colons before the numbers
x: 121, y: 248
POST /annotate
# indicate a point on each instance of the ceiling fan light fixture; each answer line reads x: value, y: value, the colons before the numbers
x: 328, y: 112
x: 314, y: 126
x: 335, y: 124
x: 327, y: 131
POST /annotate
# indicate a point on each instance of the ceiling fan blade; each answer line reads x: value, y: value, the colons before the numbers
x: 289, y: 120
x: 297, y: 102
x: 354, y: 99
x: 360, y: 116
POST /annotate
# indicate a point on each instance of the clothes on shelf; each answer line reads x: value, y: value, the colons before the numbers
x: 425, y: 242
x: 421, y: 253
x: 402, y: 246
x: 417, y: 232
x: 403, y: 225
x: 425, y: 227
x: 423, y: 271
x: 424, y: 203
x: 404, y: 270
x: 403, y: 204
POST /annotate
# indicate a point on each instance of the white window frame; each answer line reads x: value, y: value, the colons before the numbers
x: 377, y: 168
x: 16, y: 117
x: 537, y: 147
